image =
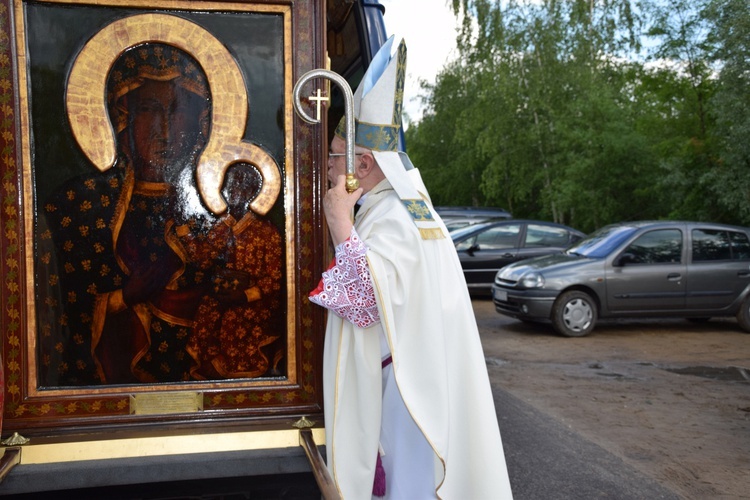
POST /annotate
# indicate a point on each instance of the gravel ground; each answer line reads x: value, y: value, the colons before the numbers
x: 671, y: 398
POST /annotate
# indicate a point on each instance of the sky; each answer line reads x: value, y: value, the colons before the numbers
x: 429, y: 29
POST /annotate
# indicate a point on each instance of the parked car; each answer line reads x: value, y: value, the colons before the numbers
x: 458, y: 217
x: 485, y: 247
x: 641, y: 269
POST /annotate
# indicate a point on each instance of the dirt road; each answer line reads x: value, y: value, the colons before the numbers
x: 669, y: 397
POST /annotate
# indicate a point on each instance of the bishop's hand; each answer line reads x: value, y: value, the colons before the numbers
x: 338, y: 206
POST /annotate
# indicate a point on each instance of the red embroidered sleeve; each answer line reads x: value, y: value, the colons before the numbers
x: 346, y: 287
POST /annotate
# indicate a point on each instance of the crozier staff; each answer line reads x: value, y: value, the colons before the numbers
x: 408, y: 406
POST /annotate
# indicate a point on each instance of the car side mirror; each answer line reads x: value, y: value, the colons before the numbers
x: 473, y: 248
x: 624, y: 259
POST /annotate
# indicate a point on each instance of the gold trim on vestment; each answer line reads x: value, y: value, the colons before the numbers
x: 173, y: 241
x: 240, y: 225
x: 99, y: 315
x: 169, y: 317
x: 432, y: 233
x: 150, y: 188
x: 141, y: 310
x: 394, y: 363
x: 121, y: 210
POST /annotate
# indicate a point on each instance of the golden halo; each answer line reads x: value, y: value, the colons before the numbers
x: 89, y: 119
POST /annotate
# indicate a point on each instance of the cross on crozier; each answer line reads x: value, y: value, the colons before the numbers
x: 318, y: 99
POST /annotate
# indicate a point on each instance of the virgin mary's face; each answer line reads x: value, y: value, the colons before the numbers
x: 165, y: 128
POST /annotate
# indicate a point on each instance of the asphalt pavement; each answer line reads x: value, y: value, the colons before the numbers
x: 547, y: 461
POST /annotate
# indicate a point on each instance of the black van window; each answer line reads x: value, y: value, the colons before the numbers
x: 740, y: 245
x: 657, y: 247
x: 711, y: 244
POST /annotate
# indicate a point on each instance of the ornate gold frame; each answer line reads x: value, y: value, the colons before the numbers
x: 27, y: 407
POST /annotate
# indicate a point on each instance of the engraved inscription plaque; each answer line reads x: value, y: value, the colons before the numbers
x: 156, y: 403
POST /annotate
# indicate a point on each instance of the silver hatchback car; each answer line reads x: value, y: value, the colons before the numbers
x: 633, y: 269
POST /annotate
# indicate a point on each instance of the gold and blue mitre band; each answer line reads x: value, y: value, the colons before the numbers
x: 372, y: 136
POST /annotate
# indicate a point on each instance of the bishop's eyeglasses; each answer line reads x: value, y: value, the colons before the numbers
x: 334, y: 155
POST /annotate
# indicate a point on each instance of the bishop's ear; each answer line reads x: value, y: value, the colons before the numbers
x: 365, y: 165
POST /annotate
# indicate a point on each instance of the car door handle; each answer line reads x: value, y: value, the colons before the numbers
x: 743, y: 274
x: 674, y: 276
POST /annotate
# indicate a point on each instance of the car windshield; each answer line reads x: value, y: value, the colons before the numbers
x: 463, y: 231
x: 602, y: 242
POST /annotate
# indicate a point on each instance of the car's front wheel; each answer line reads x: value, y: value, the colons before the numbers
x: 743, y: 315
x: 574, y: 314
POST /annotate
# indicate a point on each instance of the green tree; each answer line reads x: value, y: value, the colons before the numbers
x: 551, y: 112
x: 449, y: 168
x: 533, y: 110
x: 686, y: 156
x: 729, y: 180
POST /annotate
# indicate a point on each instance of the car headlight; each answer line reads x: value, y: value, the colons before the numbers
x: 532, y: 280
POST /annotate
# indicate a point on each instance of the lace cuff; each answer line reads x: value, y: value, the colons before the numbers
x: 346, y: 287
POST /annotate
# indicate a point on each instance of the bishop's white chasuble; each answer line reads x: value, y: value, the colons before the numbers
x: 430, y: 412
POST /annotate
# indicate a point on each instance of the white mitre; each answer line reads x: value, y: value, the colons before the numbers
x: 378, y: 104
